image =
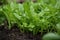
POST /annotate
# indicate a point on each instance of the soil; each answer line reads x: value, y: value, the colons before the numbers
x: 15, y: 34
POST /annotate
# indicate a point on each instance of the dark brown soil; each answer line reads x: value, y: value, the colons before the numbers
x: 15, y: 34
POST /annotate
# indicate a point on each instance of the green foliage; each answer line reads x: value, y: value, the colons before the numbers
x: 2, y: 16
x: 3, y: 2
x: 58, y: 28
x: 34, y: 17
x: 51, y: 36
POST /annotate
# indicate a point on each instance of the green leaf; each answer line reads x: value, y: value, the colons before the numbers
x: 51, y: 36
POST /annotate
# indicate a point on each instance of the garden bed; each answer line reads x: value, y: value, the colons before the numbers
x: 29, y: 20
